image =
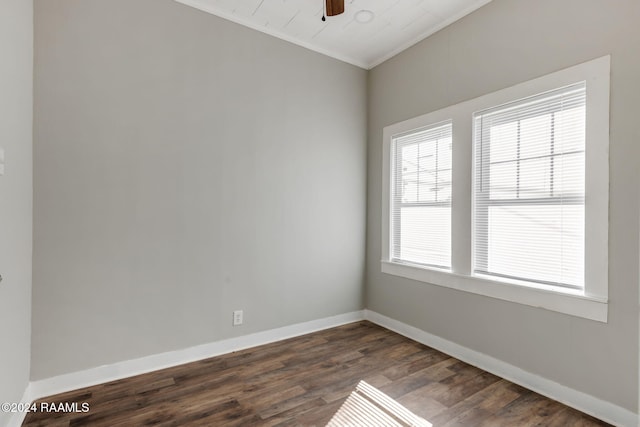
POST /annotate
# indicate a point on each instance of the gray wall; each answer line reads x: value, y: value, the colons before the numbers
x: 501, y: 44
x: 16, y: 112
x: 186, y: 166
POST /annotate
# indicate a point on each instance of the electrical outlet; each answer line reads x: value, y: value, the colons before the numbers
x: 237, y: 318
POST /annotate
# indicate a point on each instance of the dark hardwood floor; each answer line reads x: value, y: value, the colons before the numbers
x: 357, y: 374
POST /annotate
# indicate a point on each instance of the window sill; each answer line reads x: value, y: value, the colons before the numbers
x: 559, y: 300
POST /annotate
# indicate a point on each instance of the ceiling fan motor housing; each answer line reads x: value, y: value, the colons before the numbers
x: 335, y: 7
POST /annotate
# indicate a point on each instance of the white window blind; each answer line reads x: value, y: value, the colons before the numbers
x: 421, y: 197
x: 529, y: 189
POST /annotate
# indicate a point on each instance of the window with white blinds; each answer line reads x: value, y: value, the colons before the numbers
x: 529, y: 188
x: 506, y: 195
x: 421, y: 196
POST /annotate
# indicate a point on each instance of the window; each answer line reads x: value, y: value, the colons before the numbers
x: 506, y: 195
x: 421, y: 215
x: 529, y: 189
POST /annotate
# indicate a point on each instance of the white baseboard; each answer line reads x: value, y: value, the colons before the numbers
x: 598, y: 408
x: 76, y: 380
x: 18, y: 417
x: 588, y: 404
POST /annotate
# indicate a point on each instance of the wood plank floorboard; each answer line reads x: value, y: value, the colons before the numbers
x: 305, y: 381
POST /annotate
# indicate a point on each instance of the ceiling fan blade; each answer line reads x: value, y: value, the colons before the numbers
x: 335, y: 7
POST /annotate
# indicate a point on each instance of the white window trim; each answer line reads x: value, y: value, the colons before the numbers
x: 593, y: 303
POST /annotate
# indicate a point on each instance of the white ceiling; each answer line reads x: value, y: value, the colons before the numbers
x: 397, y: 24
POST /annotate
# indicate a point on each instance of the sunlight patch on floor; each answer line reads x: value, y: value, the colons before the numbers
x: 368, y: 406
